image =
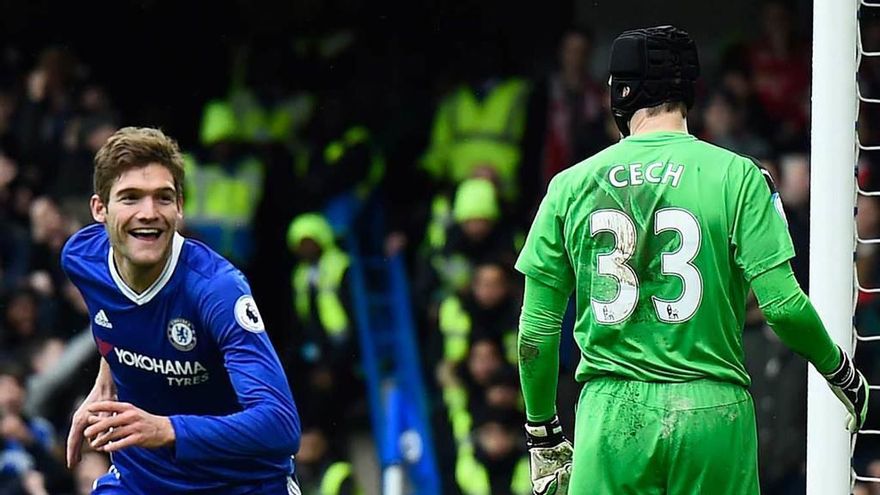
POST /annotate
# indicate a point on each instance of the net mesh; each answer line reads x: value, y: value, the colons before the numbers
x: 868, y: 60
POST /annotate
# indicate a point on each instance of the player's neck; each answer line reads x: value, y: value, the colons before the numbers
x: 138, y: 278
x: 641, y: 123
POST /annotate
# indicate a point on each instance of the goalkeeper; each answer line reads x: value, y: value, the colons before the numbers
x: 661, y: 236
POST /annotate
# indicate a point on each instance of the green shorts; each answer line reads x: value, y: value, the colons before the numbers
x: 646, y: 438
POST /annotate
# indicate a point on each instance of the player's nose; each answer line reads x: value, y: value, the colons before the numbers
x: 148, y: 210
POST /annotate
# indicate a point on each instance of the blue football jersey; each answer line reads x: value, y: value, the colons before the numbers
x: 191, y: 347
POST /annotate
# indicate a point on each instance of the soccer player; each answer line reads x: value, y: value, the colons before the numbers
x: 190, y: 396
x: 661, y: 236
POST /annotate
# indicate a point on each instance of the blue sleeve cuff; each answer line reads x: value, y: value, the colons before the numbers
x: 182, y: 449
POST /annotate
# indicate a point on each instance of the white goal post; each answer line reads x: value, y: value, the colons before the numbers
x: 832, y: 242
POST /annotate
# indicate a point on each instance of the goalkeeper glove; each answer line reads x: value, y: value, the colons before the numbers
x: 850, y: 386
x: 550, y: 457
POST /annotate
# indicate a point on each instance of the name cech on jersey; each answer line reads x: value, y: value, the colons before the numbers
x: 178, y: 373
x: 636, y: 174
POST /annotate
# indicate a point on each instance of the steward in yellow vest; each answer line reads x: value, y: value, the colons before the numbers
x: 471, y: 132
x: 478, y: 234
x: 224, y: 187
x: 325, y: 339
x: 318, y: 471
x: 492, y: 461
x: 479, y: 390
x: 488, y: 309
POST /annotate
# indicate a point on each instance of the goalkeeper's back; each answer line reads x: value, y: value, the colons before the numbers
x: 663, y: 233
x: 660, y: 236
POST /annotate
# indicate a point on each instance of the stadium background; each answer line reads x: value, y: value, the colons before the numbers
x: 386, y: 68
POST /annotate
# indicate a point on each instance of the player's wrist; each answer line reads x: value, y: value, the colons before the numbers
x: 104, y: 388
x: 100, y: 392
x: 544, y: 433
x: 845, y: 373
x: 167, y: 434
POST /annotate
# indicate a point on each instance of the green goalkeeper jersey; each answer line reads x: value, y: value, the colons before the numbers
x: 659, y: 235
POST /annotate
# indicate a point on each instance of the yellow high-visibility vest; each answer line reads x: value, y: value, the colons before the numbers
x: 331, y: 270
x: 469, y: 133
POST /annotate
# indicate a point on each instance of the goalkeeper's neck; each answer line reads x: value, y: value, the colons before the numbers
x: 647, y: 120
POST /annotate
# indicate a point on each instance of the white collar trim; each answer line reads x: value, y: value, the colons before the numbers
x: 147, y: 295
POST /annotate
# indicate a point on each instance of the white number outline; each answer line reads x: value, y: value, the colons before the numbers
x: 688, y: 258
x: 617, y: 257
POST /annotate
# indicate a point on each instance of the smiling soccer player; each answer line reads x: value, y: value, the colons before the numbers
x: 190, y: 397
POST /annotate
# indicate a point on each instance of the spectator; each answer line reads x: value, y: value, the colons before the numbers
x: 488, y: 308
x: 73, y: 181
x: 463, y: 385
x: 319, y: 469
x: 478, y: 234
x: 502, y: 391
x: 28, y: 443
x: 325, y: 360
x: 794, y: 188
x: 496, y: 461
x: 780, y: 69
x: 566, y: 115
x: 8, y: 107
x: 224, y: 187
x: 725, y: 126
x: 480, y: 124
x: 21, y: 326
x: 50, y: 228
x: 14, y: 245
x: 45, y: 114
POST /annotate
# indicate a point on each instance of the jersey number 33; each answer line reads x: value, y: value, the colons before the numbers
x: 677, y: 264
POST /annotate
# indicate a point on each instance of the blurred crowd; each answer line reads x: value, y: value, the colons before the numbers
x: 270, y: 158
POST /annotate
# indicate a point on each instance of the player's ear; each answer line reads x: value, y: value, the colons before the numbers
x: 98, y: 208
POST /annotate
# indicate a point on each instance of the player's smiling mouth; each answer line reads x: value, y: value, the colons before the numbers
x: 145, y: 234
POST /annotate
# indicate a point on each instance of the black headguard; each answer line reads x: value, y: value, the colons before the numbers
x: 649, y: 67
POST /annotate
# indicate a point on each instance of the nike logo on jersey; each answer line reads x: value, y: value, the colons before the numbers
x: 102, y: 321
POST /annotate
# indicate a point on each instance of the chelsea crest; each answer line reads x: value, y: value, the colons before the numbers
x: 181, y: 334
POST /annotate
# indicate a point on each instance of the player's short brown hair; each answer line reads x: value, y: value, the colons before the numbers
x: 668, y: 107
x: 133, y: 147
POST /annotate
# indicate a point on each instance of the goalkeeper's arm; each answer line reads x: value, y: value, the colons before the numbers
x: 791, y: 315
x: 539, y: 328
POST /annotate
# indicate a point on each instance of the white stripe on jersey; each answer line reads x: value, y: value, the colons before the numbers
x: 292, y: 487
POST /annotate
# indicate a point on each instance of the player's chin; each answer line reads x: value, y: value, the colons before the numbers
x: 146, y: 255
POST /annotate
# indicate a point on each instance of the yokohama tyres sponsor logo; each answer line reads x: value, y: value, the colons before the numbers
x: 158, y: 365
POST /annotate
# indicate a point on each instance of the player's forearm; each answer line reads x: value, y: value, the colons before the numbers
x: 791, y: 315
x: 539, y: 328
x: 265, y: 430
x: 104, y: 386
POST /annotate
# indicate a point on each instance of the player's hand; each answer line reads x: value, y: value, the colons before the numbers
x: 80, y: 422
x: 127, y: 426
x: 550, y: 457
x: 850, y: 386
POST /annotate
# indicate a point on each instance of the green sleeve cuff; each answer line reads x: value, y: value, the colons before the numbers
x: 538, y: 343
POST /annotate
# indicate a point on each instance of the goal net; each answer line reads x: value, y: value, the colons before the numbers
x: 867, y: 193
